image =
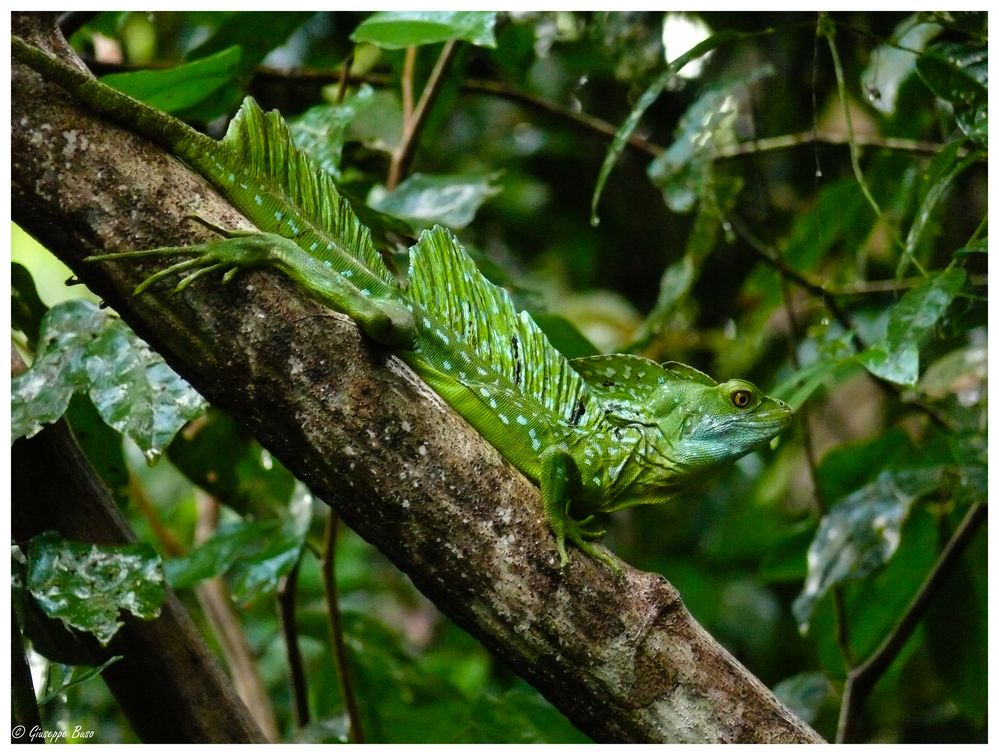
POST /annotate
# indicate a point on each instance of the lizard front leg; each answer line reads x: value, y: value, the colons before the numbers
x: 386, y: 320
x: 560, y: 482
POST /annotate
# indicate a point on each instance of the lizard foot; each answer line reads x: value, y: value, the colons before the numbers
x: 230, y: 254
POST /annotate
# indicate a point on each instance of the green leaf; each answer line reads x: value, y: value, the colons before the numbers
x: 261, y: 573
x: 101, y: 445
x: 707, y: 126
x: 395, y: 30
x: 805, y: 694
x: 181, y: 87
x: 519, y: 716
x: 82, y: 348
x: 217, y: 555
x: 424, y: 200
x: 256, y: 33
x: 257, y: 555
x: 936, y: 182
x: 87, y: 586
x: 957, y: 72
x: 974, y: 122
x: 77, y: 676
x: 26, y: 307
x: 322, y: 130
x: 649, y: 96
x: 378, y: 126
x: 860, y: 534
x: 679, y: 277
x: 896, y: 357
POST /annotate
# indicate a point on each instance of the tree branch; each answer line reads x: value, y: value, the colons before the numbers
x: 621, y: 657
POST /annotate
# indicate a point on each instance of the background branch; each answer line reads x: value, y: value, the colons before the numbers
x: 862, y: 679
x: 621, y: 657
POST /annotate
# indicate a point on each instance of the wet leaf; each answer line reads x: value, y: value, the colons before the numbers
x: 896, y: 356
x: 860, y: 534
x: 395, y: 30
x: 427, y: 200
x: 82, y: 348
x: 649, y: 96
x: 322, y: 130
x: 180, y: 87
x: 78, y: 675
x: 962, y: 373
x: 679, y: 277
x: 934, y: 188
x: 708, y: 125
x: 88, y: 586
x: 956, y: 72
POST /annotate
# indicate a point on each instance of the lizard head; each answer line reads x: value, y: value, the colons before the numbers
x: 714, y: 423
x: 690, y: 420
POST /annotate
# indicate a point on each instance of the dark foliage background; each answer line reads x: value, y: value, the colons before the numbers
x: 807, y: 211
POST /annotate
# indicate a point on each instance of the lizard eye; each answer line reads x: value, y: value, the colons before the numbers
x: 741, y: 398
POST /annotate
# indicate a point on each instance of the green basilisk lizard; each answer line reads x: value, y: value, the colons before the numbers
x: 596, y: 434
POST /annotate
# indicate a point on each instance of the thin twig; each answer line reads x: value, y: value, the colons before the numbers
x: 894, y: 285
x: 861, y: 680
x: 328, y: 566
x: 584, y: 120
x: 169, y: 543
x: 287, y: 593
x: 341, y: 91
x: 773, y: 258
x: 402, y: 156
x: 826, y: 30
x: 789, y: 141
x: 406, y: 83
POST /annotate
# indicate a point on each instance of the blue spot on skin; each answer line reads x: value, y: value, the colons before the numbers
x: 258, y: 199
x: 278, y: 215
x: 232, y: 178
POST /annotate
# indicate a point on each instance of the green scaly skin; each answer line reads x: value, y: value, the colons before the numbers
x: 596, y: 434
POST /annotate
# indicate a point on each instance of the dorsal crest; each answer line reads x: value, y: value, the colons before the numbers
x: 625, y: 384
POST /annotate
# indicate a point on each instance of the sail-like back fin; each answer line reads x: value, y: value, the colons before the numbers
x: 445, y: 282
x: 262, y: 145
